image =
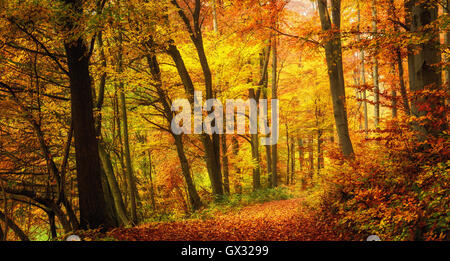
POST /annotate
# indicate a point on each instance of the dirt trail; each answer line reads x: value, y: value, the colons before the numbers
x: 284, y: 220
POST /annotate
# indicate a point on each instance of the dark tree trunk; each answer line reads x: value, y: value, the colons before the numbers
x: 93, y: 210
x: 11, y: 224
x: 52, y: 224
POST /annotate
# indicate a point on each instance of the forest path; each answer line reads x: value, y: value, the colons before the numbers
x: 284, y: 220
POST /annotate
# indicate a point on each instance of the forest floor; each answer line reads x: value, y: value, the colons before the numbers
x: 284, y: 220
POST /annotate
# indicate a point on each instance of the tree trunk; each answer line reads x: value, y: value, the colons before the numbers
x: 447, y: 55
x: 427, y: 76
x: 11, y: 224
x: 114, y: 187
x: 292, y: 161
x: 288, y: 158
x: 237, y: 179
x: 363, y: 76
x: 311, y: 157
x: 128, y: 163
x: 376, y: 85
x: 93, y: 210
x: 403, y: 91
x: 274, y: 96
x: 194, y: 198
x: 254, y: 140
x: 301, y: 154
x: 226, y: 179
x: 333, y: 52
x: 320, y: 159
x: 212, y: 156
x: 193, y: 195
x: 214, y: 14
x: 150, y: 176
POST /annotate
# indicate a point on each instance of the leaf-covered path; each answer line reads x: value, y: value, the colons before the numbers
x: 285, y: 220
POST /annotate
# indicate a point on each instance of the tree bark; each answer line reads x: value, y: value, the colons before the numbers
x: 226, y: 179
x: 194, y: 198
x: 114, y: 187
x: 254, y: 141
x: 17, y: 230
x: 274, y: 96
x: 292, y: 161
x: 213, y: 166
x: 362, y: 83
x: 376, y: 84
x: 333, y: 52
x: 427, y: 76
x: 93, y: 210
x: 288, y: 158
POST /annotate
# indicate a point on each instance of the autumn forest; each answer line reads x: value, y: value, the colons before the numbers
x: 347, y: 137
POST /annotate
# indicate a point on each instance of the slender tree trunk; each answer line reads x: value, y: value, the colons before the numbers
x: 214, y: 14
x: 121, y: 153
x: 292, y: 161
x: 264, y: 64
x: 394, y: 104
x: 403, y: 91
x: 254, y: 140
x: 209, y: 144
x: 193, y: 195
x: 128, y: 163
x: 311, y: 157
x: 114, y: 187
x: 376, y: 85
x: 301, y: 153
x: 274, y: 96
x: 288, y: 158
x: 363, y: 77
x: 126, y: 144
x: 333, y: 52
x: 194, y: 198
x: 237, y: 179
x: 150, y: 176
x: 320, y: 159
x: 226, y: 179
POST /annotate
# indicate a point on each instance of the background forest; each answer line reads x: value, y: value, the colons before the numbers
x: 86, y: 88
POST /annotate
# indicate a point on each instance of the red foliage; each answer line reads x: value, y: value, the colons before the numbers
x: 285, y: 220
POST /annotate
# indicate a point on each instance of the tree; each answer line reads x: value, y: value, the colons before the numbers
x: 425, y: 75
x: 333, y: 52
x: 93, y: 210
